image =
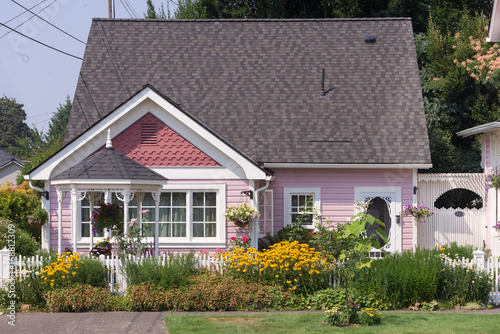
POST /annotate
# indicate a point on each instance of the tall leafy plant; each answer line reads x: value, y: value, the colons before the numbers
x: 355, y: 246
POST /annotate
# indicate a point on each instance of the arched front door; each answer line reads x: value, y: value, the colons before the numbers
x: 385, y: 205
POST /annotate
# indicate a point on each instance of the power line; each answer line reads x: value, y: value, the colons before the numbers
x: 50, y: 113
x: 8, y: 32
x: 132, y: 8
x: 15, y: 17
x: 41, y: 18
x: 131, y: 16
x: 34, y: 40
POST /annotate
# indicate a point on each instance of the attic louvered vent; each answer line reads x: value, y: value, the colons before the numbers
x: 148, y: 134
x: 370, y: 39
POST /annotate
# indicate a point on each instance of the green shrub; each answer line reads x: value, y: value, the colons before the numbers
x: 403, y: 279
x: 462, y: 285
x: 30, y: 291
x: 25, y: 243
x: 206, y: 292
x: 290, y: 233
x: 148, y: 298
x: 326, y: 299
x: 175, y: 273
x: 91, y: 271
x: 79, y: 298
x: 16, y: 203
x: 215, y: 292
x: 453, y: 250
x: 4, y: 299
x: 370, y: 317
x: 28, y: 287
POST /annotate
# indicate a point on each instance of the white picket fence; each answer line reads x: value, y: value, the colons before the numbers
x: 117, y: 282
x: 21, y: 266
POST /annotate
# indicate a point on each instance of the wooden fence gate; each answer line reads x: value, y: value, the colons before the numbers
x: 463, y: 226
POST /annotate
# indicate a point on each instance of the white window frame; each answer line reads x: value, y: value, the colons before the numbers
x: 287, y: 203
x: 189, y: 241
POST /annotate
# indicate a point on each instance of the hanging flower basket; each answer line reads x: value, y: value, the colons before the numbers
x: 38, y: 217
x: 420, y: 213
x: 107, y: 216
x: 241, y: 215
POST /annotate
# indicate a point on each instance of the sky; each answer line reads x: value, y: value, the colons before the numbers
x: 37, y: 76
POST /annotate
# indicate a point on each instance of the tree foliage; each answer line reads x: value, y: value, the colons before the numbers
x: 12, y: 124
x: 454, y: 99
x: 151, y: 12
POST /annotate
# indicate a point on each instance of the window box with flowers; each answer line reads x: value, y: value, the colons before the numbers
x: 420, y: 213
x: 241, y: 215
x: 107, y: 217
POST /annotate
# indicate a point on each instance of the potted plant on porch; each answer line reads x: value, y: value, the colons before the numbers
x: 38, y: 217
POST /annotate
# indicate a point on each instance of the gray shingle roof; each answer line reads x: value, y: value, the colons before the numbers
x: 257, y: 83
x: 7, y: 158
x: 109, y: 164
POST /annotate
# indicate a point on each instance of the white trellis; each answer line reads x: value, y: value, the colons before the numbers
x: 463, y: 226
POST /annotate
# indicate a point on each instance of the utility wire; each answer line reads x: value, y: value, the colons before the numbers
x: 131, y: 8
x: 41, y: 18
x: 15, y: 17
x: 8, y: 32
x: 34, y: 40
x: 131, y: 16
x: 50, y: 113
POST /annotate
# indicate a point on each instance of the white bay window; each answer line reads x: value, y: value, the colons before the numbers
x: 186, y: 215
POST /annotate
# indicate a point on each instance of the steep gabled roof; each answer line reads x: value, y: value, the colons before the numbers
x: 257, y: 83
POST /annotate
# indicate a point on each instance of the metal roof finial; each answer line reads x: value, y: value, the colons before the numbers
x: 109, y: 144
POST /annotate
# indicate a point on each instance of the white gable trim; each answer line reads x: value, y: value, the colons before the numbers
x: 234, y: 165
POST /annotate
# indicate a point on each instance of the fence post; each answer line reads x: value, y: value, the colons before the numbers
x: 4, y: 265
x: 478, y: 258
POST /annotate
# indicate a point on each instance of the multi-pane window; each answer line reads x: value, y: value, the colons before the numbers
x: 204, y: 214
x: 179, y: 213
x: 173, y: 214
x: 302, y: 208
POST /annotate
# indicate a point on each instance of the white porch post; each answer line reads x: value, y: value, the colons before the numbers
x: 46, y: 227
x: 138, y: 198
x: 107, y: 200
x: 254, y: 227
x: 156, y: 197
x: 61, y: 195
x: 74, y: 217
x: 126, y: 199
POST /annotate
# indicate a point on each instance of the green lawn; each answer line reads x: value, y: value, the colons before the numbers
x: 392, y: 322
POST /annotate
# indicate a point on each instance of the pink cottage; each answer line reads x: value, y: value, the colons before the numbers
x: 184, y: 118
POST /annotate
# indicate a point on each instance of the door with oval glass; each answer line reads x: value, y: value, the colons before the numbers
x: 385, y: 205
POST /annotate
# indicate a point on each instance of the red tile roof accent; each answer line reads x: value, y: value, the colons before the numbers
x: 171, y: 149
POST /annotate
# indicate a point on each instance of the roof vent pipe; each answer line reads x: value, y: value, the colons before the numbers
x: 370, y: 39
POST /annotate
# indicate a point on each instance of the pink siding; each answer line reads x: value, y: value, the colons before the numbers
x: 171, y: 148
x: 337, y: 197
x: 337, y: 191
x: 54, y: 222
